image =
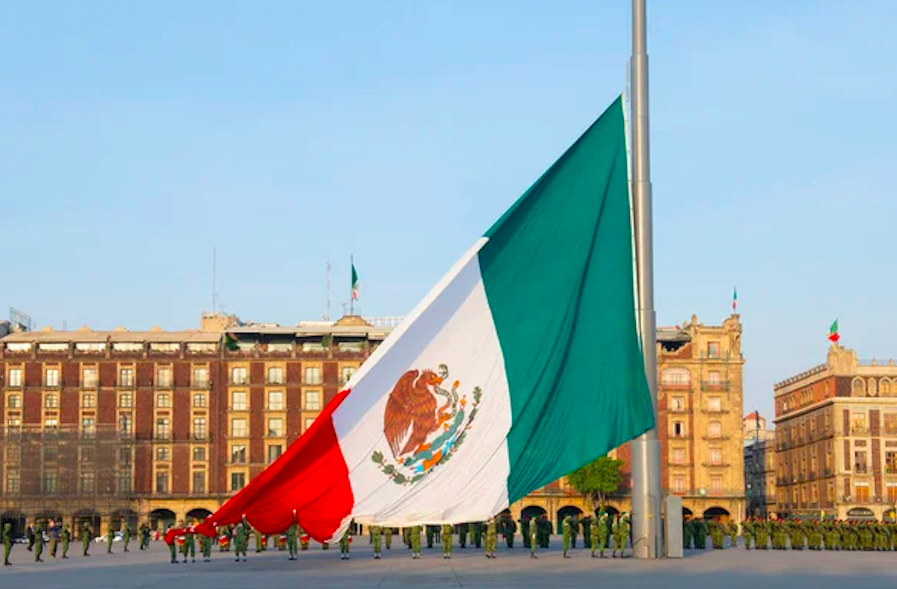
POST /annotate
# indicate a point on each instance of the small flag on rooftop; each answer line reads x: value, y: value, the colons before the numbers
x: 355, y: 283
x: 735, y: 300
x: 833, y: 335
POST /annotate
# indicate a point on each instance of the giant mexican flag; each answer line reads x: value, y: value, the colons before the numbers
x: 522, y: 364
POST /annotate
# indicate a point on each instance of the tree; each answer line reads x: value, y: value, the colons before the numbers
x: 597, y: 479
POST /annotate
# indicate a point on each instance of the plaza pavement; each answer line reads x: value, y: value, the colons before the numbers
x: 469, y: 569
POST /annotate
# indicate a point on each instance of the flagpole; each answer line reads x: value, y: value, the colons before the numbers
x: 352, y: 288
x: 646, y: 483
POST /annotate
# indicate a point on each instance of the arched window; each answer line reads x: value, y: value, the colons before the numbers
x: 858, y: 388
x: 884, y: 387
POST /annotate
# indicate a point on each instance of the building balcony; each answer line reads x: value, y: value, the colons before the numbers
x: 275, y: 408
x: 715, y: 464
x: 860, y: 469
x: 676, y: 386
x: 125, y: 384
x: 240, y: 382
x: 722, y: 385
x: 275, y: 382
x: 681, y: 463
x: 201, y: 384
x: 716, y: 438
x: 714, y: 411
x: 677, y: 410
x: 679, y: 437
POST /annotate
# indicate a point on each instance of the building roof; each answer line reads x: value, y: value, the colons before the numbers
x: 672, y: 335
x: 118, y: 336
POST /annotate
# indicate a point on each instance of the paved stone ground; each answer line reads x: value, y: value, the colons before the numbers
x: 727, y: 569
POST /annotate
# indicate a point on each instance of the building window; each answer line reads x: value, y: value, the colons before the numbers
x: 125, y: 457
x: 714, y: 430
x: 238, y: 454
x: 830, y: 493
x: 713, y: 377
x: 200, y: 378
x: 884, y: 387
x: 238, y: 401
x: 238, y: 428
x: 675, y: 377
x: 51, y: 453
x: 87, y: 482
x: 50, y: 482
x: 88, y: 454
x: 199, y: 481
x: 13, y: 482
x: 200, y: 401
x: 199, y: 428
x: 199, y: 454
x: 163, y: 454
x: 238, y: 376
x: 892, y: 494
x: 891, y: 462
x: 88, y: 426
x: 716, y: 483
x: 126, y: 377
x: 163, y: 377
x: 14, y: 402
x: 858, y: 423
x: 308, y: 422
x: 52, y: 377
x: 859, y: 462
x: 163, y: 400
x: 275, y: 401
x: 125, y: 401
x: 274, y: 452
x: 162, y: 482
x: 312, y: 375
x: 313, y: 400
x: 13, y: 423
x: 163, y: 428
x: 89, y: 401
x: 124, y: 483
x: 275, y: 427
x: 89, y: 378
x: 714, y: 404
x: 678, y: 455
x: 237, y: 481
x: 275, y: 375
x: 677, y: 403
x: 713, y: 349
x: 679, y: 484
x: 51, y: 423
x: 15, y: 377
x: 891, y: 423
x: 862, y: 493
x: 678, y: 429
x: 346, y: 374
x: 124, y: 424
x: 51, y: 401
x: 716, y: 456
x: 859, y: 387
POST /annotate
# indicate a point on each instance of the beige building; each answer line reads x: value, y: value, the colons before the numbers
x: 700, y: 410
x: 836, y: 438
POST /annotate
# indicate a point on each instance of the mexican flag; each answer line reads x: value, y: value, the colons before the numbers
x: 833, y: 335
x: 522, y: 364
x: 355, y: 283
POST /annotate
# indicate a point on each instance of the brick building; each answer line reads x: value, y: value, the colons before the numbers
x: 700, y: 376
x: 836, y: 438
x: 156, y: 426
x: 759, y: 466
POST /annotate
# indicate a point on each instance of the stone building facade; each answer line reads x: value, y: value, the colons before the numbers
x: 836, y: 439
x: 157, y: 426
x: 700, y: 404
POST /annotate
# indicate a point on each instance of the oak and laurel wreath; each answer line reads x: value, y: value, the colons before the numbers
x: 392, y: 470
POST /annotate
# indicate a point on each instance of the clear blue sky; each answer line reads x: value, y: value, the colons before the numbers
x: 134, y: 137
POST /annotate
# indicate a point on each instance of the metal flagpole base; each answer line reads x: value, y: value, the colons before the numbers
x: 646, y: 497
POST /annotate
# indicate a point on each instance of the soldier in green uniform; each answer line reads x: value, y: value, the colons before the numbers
x: 797, y: 534
x: 205, y: 544
x: 376, y: 535
x: 533, y: 541
x: 241, y: 537
x: 258, y: 541
x: 814, y: 535
x: 388, y: 534
x: 478, y: 534
x: 53, y: 533
x: 344, y: 546
x: 524, y: 531
x: 732, y: 528
x: 491, y: 538
x: 38, y: 542
x: 603, y: 533
x: 700, y: 531
x: 567, y: 528
x: 414, y: 537
x: 621, y: 534
x: 65, y: 536
x: 172, y: 545
x: 760, y: 529
x: 125, y: 534
x: 110, y: 538
x: 747, y: 532
x: 593, y: 535
x: 687, y: 539
x: 509, y: 531
x: 446, y: 541
x: 430, y: 532
x: 7, y: 543
x: 574, y: 530
x: 586, y: 524
x: 85, y: 537
x: 292, y: 535
x: 190, y: 544
x: 717, y: 534
x: 546, y: 531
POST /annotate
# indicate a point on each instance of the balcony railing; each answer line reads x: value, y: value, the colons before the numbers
x: 714, y: 410
x: 203, y: 383
x: 715, y: 464
x: 677, y: 410
x: 716, y: 437
x: 722, y: 385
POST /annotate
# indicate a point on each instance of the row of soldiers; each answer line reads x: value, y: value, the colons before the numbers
x: 58, y: 538
x: 695, y: 532
x: 781, y: 534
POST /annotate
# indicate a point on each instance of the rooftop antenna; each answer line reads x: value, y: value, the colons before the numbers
x: 214, y: 280
x: 327, y: 314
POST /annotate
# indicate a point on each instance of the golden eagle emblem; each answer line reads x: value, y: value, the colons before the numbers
x: 424, y: 423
